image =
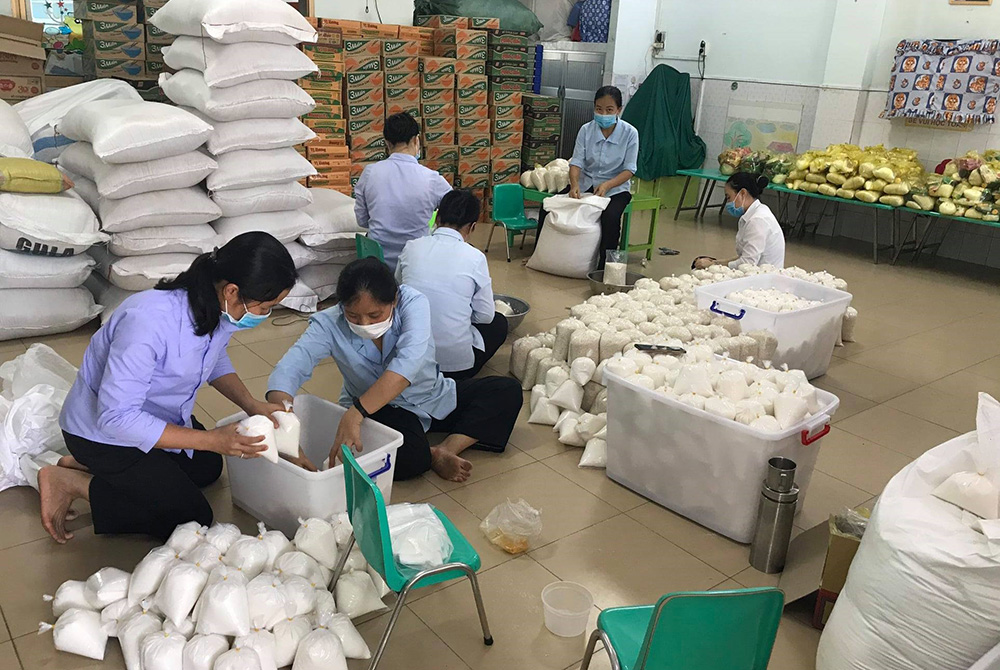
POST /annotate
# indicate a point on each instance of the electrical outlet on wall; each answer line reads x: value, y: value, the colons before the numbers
x: 703, y: 49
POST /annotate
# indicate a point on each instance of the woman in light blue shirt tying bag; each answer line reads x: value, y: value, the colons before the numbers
x: 379, y: 335
x: 603, y: 163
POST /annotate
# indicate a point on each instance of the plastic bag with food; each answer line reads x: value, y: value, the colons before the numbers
x: 512, y: 525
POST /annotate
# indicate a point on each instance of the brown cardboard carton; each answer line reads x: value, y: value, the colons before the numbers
x: 506, y: 153
x: 441, y: 21
x: 439, y: 124
x: 21, y: 56
x: 363, y: 140
x: 119, y: 32
x: 445, y: 50
x: 402, y: 80
x: 473, y: 139
x: 471, y: 52
x: 473, y: 111
x: 18, y: 87
x: 363, y: 47
x: 400, y: 48
x: 508, y: 139
x: 472, y: 82
x: 435, y: 64
x: 373, y: 125
x: 117, y: 68
x: 471, y: 37
x: 365, y: 96
x: 437, y: 80
x: 346, y: 26
x: 97, y: 10
x: 364, y: 80
x: 470, y: 96
x: 430, y: 96
x: 477, y: 67
x: 368, y: 155
x: 438, y: 110
x: 325, y: 150
x: 506, y: 112
x: 330, y: 37
x: 405, y: 95
x: 365, y: 110
x: 508, y: 125
x: 442, y: 152
x: 474, y: 154
x: 472, y: 181
x: 484, y: 23
x: 467, y: 125
x: 444, y: 36
x: 362, y: 63
x: 506, y: 98
x: 439, y: 137
x: 403, y: 107
x: 401, y: 64
x: 507, y: 173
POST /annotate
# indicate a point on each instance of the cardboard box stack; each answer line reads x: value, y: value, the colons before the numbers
x: 542, y: 129
x: 328, y: 153
x: 22, y: 59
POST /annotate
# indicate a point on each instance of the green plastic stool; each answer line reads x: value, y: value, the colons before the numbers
x: 640, y: 203
x: 508, y: 211
x: 367, y: 247
x: 366, y: 509
x: 710, y: 630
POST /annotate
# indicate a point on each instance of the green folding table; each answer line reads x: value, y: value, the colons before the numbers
x: 711, y: 179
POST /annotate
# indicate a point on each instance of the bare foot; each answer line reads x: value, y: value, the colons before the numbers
x: 72, y: 464
x: 58, y: 488
x: 449, y: 466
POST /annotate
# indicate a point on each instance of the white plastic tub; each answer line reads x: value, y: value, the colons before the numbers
x: 566, y: 606
x: 702, y: 466
x: 278, y: 494
x: 806, y: 337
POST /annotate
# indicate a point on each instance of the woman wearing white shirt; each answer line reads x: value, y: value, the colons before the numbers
x: 759, y: 239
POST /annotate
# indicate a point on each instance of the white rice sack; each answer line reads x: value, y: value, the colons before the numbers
x: 188, y: 207
x: 27, y: 271
x: 544, y: 413
x: 202, y: 651
x: 180, y: 590
x: 531, y: 367
x: 70, y: 595
x: 287, y: 636
x: 595, y: 454
x: 106, y: 586
x: 247, y: 554
x: 300, y: 595
x: 354, y: 645
x: 114, y: 614
x: 519, y: 355
x: 60, y: 224
x: 301, y: 564
x: 225, y: 65
x: 767, y: 344
x: 320, y: 650
x: 585, y: 343
x: 315, y: 537
x: 222, y: 536
x: 356, y: 595
x: 235, y: 21
x: 544, y: 366
x: 568, y: 396
x: 15, y: 140
x: 238, y: 659
x: 568, y: 434
x: 150, y: 571
x: 611, y: 344
x: 554, y: 378
x: 789, y: 410
x: 246, y: 169
x: 162, y: 651
x: 254, y: 100
x: 131, y: 633
x: 198, y: 239
x: 79, y: 632
x: 537, y: 392
x: 260, y: 199
x: 589, y: 425
x: 265, y: 601
x: 263, y: 643
x: 223, y: 608
x: 274, y: 540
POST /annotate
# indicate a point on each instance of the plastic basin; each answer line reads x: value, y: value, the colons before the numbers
x: 567, y: 608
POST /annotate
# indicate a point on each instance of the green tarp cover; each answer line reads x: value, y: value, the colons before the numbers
x: 512, y: 14
x: 661, y: 111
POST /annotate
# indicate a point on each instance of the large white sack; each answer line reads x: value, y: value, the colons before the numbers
x: 106, y: 294
x: 201, y: 651
x: 301, y: 257
x: 122, y: 181
x: 322, y: 278
x: 25, y: 271
x: 140, y: 273
x: 275, y: 99
x: 179, y: 207
x: 44, y: 311
x: 132, y: 632
x: 15, y: 140
x: 287, y: 635
x: 43, y: 113
x: 301, y: 298
x: 106, y: 586
x: 568, y: 243
x: 924, y: 588
x: 284, y: 226
x: 260, y: 199
x: 230, y: 21
x: 127, y: 131
x: 47, y: 225
x: 198, y: 239
x: 71, y: 594
x: 226, y: 65
x: 249, y: 168
x: 40, y: 364
x: 254, y: 134
x: 29, y: 428
x: 333, y: 214
x: 149, y: 573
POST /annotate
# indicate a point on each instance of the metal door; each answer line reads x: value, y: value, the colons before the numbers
x: 573, y: 77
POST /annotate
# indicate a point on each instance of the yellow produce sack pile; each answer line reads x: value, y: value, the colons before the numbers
x: 969, y: 187
x: 873, y: 174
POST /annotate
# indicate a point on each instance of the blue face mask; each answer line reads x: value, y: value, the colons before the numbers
x: 733, y: 210
x: 605, y: 120
x: 248, y: 320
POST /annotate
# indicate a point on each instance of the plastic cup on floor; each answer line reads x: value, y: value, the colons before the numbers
x: 567, y: 608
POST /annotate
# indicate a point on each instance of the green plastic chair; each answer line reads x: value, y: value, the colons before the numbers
x: 508, y: 211
x: 366, y: 509
x: 367, y: 247
x: 709, y: 630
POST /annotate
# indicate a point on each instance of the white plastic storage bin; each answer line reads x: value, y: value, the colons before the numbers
x: 278, y: 494
x: 702, y: 466
x: 806, y: 337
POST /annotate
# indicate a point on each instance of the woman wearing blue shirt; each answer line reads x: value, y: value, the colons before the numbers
x: 603, y: 162
x: 379, y: 335
x: 138, y: 455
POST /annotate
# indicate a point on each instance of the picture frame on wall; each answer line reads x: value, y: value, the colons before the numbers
x: 971, y: 3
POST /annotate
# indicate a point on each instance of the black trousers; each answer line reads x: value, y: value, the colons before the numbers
x: 487, y: 409
x: 611, y: 223
x: 494, y: 334
x: 147, y: 493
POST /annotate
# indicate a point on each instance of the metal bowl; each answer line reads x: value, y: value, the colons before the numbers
x: 520, y: 307
x: 597, y: 285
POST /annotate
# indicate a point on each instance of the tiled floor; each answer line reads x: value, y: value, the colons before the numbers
x: 926, y: 343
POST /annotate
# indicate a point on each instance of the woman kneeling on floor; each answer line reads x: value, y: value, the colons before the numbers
x: 137, y: 453
x: 379, y: 335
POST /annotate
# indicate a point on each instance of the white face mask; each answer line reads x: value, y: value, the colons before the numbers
x: 372, y: 331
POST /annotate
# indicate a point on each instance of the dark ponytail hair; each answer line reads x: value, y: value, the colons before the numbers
x: 366, y: 275
x: 613, y: 91
x: 753, y: 184
x: 256, y: 262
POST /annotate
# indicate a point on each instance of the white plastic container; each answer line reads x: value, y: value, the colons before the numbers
x: 279, y: 493
x: 702, y: 466
x: 567, y: 608
x: 806, y: 337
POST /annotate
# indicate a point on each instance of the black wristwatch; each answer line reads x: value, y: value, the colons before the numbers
x: 361, y: 408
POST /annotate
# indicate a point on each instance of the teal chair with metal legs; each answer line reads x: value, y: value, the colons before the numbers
x: 366, y: 509
x: 709, y: 630
x: 508, y: 211
x: 366, y: 247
